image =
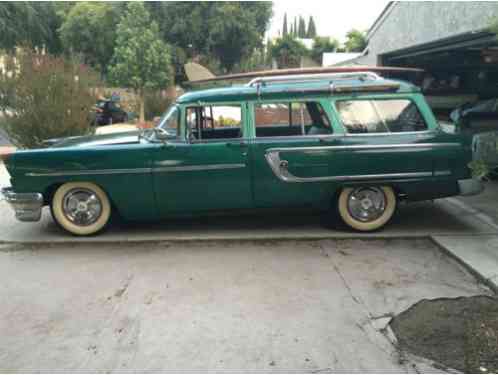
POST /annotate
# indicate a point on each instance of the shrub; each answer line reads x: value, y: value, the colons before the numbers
x: 51, y: 99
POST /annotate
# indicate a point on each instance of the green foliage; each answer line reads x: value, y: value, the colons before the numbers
x: 294, y: 33
x: 141, y: 59
x: 223, y: 31
x: 301, y: 31
x: 31, y: 24
x: 288, y: 52
x: 311, y: 33
x: 479, y: 168
x: 89, y: 29
x: 322, y: 45
x: 51, y: 99
x: 355, y: 41
x: 285, y: 31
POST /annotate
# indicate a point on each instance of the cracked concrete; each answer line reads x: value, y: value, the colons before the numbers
x: 271, y: 306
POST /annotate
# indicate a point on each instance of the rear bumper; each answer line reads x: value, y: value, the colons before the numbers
x: 27, y: 206
x: 470, y: 186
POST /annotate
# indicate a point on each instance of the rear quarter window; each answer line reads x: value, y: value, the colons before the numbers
x: 380, y: 116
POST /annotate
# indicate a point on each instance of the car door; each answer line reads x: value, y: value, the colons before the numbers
x: 206, y: 166
x: 286, y: 152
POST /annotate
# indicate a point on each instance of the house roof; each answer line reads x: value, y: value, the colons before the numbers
x: 333, y: 58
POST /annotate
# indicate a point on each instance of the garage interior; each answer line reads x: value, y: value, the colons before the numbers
x: 459, y: 69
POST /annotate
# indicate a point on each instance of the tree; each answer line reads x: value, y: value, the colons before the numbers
x: 295, y: 34
x: 311, y: 33
x: 301, y: 31
x: 322, y: 45
x: 355, y: 41
x: 284, y: 28
x: 221, y: 32
x: 31, y: 24
x: 89, y: 29
x: 288, y: 52
x: 141, y: 59
x: 234, y: 33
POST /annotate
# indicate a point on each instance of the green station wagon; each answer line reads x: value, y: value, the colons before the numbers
x: 355, y: 143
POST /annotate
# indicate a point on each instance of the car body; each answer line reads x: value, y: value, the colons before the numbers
x: 108, y: 112
x: 355, y: 142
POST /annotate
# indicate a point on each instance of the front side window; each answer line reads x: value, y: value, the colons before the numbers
x: 290, y: 119
x: 380, y: 116
x: 214, y: 122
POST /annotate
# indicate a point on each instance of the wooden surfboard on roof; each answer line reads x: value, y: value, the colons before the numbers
x: 411, y: 74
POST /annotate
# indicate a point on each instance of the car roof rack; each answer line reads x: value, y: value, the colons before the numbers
x: 371, y: 82
x: 303, y: 78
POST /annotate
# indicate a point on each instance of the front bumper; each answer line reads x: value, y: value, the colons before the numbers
x: 27, y: 206
x: 470, y: 186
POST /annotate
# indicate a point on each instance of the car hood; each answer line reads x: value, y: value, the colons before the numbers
x: 95, y: 140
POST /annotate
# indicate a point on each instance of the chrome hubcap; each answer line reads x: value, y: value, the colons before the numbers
x: 366, y: 204
x: 82, y: 207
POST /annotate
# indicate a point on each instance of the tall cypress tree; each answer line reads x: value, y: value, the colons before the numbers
x: 301, y: 31
x: 284, y: 28
x: 294, y: 34
x: 311, y: 28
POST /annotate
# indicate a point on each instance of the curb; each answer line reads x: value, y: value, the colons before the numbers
x: 447, y: 251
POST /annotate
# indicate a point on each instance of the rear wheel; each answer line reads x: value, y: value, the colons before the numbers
x: 81, y: 208
x: 366, y: 208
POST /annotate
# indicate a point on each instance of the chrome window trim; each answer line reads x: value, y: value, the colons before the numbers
x: 433, y: 131
x: 363, y: 147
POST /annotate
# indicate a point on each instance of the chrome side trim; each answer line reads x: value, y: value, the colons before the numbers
x: 280, y: 167
x: 90, y: 172
x: 206, y: 167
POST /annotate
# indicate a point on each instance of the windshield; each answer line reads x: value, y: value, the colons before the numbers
x: 169, y: 121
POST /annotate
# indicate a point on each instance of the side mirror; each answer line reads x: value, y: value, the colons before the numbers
x: 162, y: 135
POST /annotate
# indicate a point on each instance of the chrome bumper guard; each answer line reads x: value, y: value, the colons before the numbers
x: 470, y: 186
x: 27, y: 206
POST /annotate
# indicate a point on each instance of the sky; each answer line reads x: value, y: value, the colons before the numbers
x: 332, y: 18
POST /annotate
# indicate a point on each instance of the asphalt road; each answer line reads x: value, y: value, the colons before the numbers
x: 270, y: 306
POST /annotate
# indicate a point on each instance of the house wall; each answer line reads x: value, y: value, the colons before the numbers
x: 408, y: 24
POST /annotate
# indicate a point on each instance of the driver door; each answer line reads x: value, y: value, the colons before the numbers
x: 206, y: 167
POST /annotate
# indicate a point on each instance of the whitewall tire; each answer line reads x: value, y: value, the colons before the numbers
x: 366, y: 208
x: 81, y: 208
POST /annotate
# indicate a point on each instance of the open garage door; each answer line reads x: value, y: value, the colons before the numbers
x: 461, y: 69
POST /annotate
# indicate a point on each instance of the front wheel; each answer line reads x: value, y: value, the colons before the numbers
x: 81, y: 208
x: 366, y: 208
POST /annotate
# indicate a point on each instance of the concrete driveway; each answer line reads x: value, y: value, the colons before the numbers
x: 273, y: 306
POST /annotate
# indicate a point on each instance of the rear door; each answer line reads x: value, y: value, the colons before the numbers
x: 287, y: 138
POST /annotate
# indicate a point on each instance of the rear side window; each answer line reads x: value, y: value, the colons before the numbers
x: 290, y: 119
x: 380, y: 116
